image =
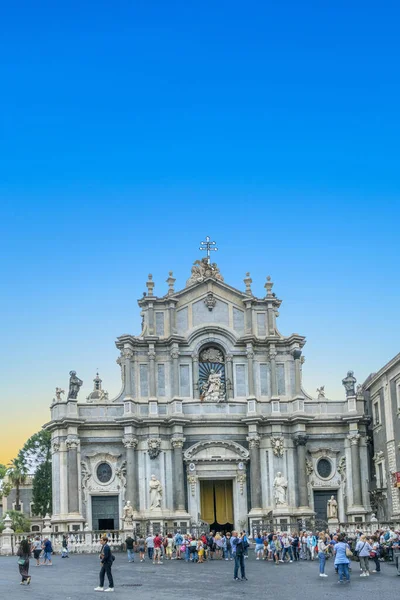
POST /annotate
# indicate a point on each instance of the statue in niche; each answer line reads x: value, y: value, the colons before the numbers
x: 332, y: 508
x: 213, y: 389
x: 128, y: 515
x: 280, y: 487
x: 155, y: 493
x: 74, y: 385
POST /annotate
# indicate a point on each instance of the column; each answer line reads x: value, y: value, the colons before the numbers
x: 195, y: 375
x: 55, y: 474
x: 179, y: 491
x: 175, y: 371
x: 127, y: 355
x: 151, y: 318
x: 172, y: 324
x: 272, y: 357
x: 130, y: 444
x: 73, y: 483
x: 250, y: 368
x: 229, y: 376
x: 249, y: 318
x: 152, y: 371
x: 300, y: 442
x: 255, y: 472
x: 297, y: 371
x: 355, y: 468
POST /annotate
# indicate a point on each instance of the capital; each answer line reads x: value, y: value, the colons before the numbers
x: 229, y: 358
x: 55, y: 447
x: 254, y: 441
x: 127, y: 353
x: 272, y: 354
x: 151, y: 354
x: 174, y: 353
x: 300, y: 440
x: 354, y: 439
x: 130, y: 442
x: 177, y: 442
x: 72, y: 444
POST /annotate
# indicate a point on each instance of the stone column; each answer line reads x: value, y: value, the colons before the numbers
x: 297, y: 371
x: 175, y: 371
x: 250, y: 356
x: 255, y: 472
x: 195, y: 375
x: 300, y: 442
x: 151, y: 318
x: 130, y: 444
x: 355, y: 468
x: 152, y: 371
x: 179, y: 491
x: 274, y: 387
x: 73, y: 482
x: 127, y: 356
x: 171, y: 312
x: 249, y: 318
x: 229, y: 376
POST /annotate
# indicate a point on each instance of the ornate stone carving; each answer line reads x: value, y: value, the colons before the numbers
x: 247, y: 282
x: 174, y: 353
x: 359, y: 391
x: 309, y: 467
x: 129, y: 442
x: 254, y: 441
x: 210, y: 301
x: 74, y: 385
x: 127, y: 354
x: 155, y: 492
x: 154, y: 447
x: 171, y: 280
x: 378, y: 456
x: 151, y: 354
x: 213, y: 390
x: 249, y: 352
x: 349, y: 383
x: 192, y: 481
x: 177, y: 442
x: 128, y: 515
x: 240, y: 451
x: 59, y: 391
x: 300, y: 440
x: 321, y: 392
x: 342, y: 466
x: 201, y: 270
x: 212, y: 355
x: 272, y: 354
x: 280, y: 488
x: 121, y: 473
x: 277, y: 445
x: 241, y: 479
x: 150, y: 285
x: 229, y: 358
x: 354, y: 439
x: 72, y: 444
x: 332, y: 508
x: 55, y: 447
x: 85, y: 476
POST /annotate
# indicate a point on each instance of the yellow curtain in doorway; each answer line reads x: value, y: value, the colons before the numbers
x: 223, y: 501
x: 207, y: 501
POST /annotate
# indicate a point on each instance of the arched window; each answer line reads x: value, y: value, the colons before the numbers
x: 212, y: 381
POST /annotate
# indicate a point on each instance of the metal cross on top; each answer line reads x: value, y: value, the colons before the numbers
x: 208, y: 246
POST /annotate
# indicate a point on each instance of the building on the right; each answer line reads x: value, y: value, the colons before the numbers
x: 381, y: 391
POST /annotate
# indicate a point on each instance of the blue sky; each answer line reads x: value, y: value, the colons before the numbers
x: 128, y: 132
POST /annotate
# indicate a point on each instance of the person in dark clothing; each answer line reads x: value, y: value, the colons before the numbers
x: 238, y: 548
x: 106, y: 559
x: 129, y: 548
x: 295, y: 546
x: 24, y: 552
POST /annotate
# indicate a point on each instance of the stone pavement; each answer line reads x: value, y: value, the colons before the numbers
x: 75, y: 578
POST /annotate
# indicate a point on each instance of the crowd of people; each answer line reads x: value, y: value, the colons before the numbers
x: 275, y: 547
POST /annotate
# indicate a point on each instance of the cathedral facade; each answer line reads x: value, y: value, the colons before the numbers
x: 212, y: 424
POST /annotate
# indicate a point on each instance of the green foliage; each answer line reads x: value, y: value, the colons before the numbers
x: 16, y: 476
x: 36, y: 450
x: 19, y: 522
x: 5, y: 487
x: 41, y: 493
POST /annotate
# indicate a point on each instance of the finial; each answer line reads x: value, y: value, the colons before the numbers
x: 150, y: 285
x: 171, y: 280
x: 268, y: 286
x: 208, y: 246
x: 248, y: 281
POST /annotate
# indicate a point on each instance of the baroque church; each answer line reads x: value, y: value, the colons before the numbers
x: 212, y: 424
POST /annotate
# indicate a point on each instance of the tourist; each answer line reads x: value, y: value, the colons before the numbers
x: 304, y: 546
x: 312, y: 544
x: 47, y: 551
x: 342, y: 553
x: 363, y: 549
x: 259, y: 549
x: 287, y: 547
x: 193, y: 549
x: 238, y: 552
x: 24, y: 552
x: 322, y: 552
x: 200, y: 551
x: 157, y: 549
x: 219, y: 543
x: 375, y: 554
x: 36, y: 548
x: 178, y: 541
x: 106, y: 559
x: 186, y: 543
x: 129, y: 541
x: 64, y: 544
x: 141, y: 548
x: 210, y: 545
x: 295, y: 545
x: 228, y: 547
x: 150, y: 546
x: 245, y: 544
x: 169, y: 546
x: 273, y: 549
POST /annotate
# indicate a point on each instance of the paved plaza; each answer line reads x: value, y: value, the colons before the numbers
x: 75, y: 578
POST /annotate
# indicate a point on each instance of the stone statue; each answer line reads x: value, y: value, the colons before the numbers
x: 321, y: 392
x: 373, y: 518
x: 155, y: 493
x: 74, y: 385
x: 332, y: 508
x: 280, y: 487
x: 201, y: 269
x: 128, y: 515
x: 349, y: 383
x: 212, y: 390
x: 59, y: 391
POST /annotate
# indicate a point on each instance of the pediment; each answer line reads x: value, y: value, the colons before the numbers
x: 216, y: 451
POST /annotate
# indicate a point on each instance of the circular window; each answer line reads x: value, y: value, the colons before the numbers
x: 104, y: 472
x: 324, y: 468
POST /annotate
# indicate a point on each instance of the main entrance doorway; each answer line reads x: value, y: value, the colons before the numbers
x: 105, y: 514
x: 216, y: 503
x: 321, y: 506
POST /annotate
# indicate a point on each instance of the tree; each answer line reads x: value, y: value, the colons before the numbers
x: 5, y: 487
x: 36, y: 456
x: 19, y: 522
x: 16, y: 475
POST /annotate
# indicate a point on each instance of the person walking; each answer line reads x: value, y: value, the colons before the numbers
x: 322, y: 551
x: 47, y: 551
x: 238, y: 553
x: 342, y: 560
x: 363, y: 548
x: 64, y: 553
x: 259, y: 549
x: 106, y: 559
x: 129, y: 541
x: 295, y: 546
x: 36, y: 548
x: 142, y: 548
x: 150, y: 546
x: 23, y: 553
